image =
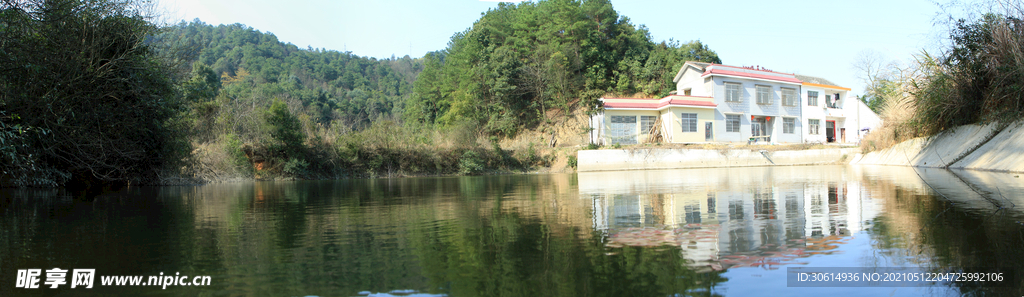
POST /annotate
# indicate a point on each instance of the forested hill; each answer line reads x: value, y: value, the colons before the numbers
x: 520, y: 60
x: 107, y: 96
x: 331, y: 85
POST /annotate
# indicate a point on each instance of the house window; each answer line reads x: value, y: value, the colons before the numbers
x: 812, y: 98
x: 732, y: 92
x: 689, y: 122
x: 828, y: 101
x: 788, y: 97
x: 646, y: 123
x: 732, y: 123
x: 622, y: 129
x: 764, y: 95
x: 788, y: 125
x: 812, y: 126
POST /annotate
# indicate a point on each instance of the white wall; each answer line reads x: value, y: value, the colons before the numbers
x: 748, y: 106
x: 691, y: 79
x: 859, y: 116
x: 813, y: 112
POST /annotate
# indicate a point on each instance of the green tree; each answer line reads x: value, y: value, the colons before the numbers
x: 520, y: 61
x: 203, y: 84
x: 83, y: 71
x: 285, y: 128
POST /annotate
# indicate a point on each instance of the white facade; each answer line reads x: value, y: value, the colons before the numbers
x: 743, y: 105
x: 832, y: 115
x: 750, y: 101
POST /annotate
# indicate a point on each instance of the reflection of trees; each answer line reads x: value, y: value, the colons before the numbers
x: 466, y: 236
x: 506, y: 254
x: 927, y: 230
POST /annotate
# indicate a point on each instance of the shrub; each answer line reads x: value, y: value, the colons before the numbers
x: 285, y: 127
x: 470, y: 163
x: 296, y: 167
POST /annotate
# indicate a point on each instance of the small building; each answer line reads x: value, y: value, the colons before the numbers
x: 753, y: 103
x: 673, y: 119
x: 831, y: 115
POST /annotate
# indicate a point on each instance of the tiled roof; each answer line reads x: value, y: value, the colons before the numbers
x: 700, y: 65
x: 815, y: 80
x: 751, y: 73
x: 651, y: 103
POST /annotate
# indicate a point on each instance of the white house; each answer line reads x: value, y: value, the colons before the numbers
x: 721, y: 103
x: 830, y: 114
x: 752, y: 102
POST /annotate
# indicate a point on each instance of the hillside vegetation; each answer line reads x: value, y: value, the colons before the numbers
x: 519, y: 61
x: 107, y: 97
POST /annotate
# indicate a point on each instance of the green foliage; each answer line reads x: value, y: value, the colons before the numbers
x: 519, y: 61
x: 234, y: 151
x: 203, y: 84
x: 976, y: 80
x: 296, y: 167
x: 470, y: 163
x: 255, y: 67
x: 93, y: 82
x: 285, y: 128
x: 593, y: 146
x: 572, y: 161
x: 17, y: 159
x: 531, y: 154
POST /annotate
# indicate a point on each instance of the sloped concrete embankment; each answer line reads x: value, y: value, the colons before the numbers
x: 981, y: 147
x: 641, y: 159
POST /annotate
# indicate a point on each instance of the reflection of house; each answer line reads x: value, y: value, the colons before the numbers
x: 721, y: 103
x: 728, y: 226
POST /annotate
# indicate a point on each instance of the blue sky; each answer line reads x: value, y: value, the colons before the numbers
x: 819, y: 38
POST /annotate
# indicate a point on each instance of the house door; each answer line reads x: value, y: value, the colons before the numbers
x: 830, y: 131
x: 757, y: 127
x: 842, y: 134
x: 709, y: 133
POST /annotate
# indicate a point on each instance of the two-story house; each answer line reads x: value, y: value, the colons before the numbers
x: 831, y: 115
x: 752, y: 103
x: 721, y: 103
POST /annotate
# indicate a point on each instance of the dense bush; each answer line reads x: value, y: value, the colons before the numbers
x: 979, y: 79
x: 92, y: 82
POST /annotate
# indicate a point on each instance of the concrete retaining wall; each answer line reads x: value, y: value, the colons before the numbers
x: 937, y: 151
x: 966, y: 147
x: 640, y: 159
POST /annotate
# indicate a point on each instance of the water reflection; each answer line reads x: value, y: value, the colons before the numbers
x: 705, y: 232
x: 756, y: 217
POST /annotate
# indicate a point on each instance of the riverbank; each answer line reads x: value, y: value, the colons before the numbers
x: 992, y: 147
x: 679, y: 158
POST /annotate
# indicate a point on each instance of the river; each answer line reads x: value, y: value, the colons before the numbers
x: 704, y: 232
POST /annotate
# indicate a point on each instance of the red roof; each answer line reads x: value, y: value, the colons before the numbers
x: 651, y: 103
x: 758, y: 74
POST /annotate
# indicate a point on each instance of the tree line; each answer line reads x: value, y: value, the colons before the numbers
x: 94, y: 92
x: 520, y: 61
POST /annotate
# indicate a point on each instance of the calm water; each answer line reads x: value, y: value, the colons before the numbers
x: 718, y: 232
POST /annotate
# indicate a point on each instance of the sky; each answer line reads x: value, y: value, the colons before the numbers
x: 817, y: 38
